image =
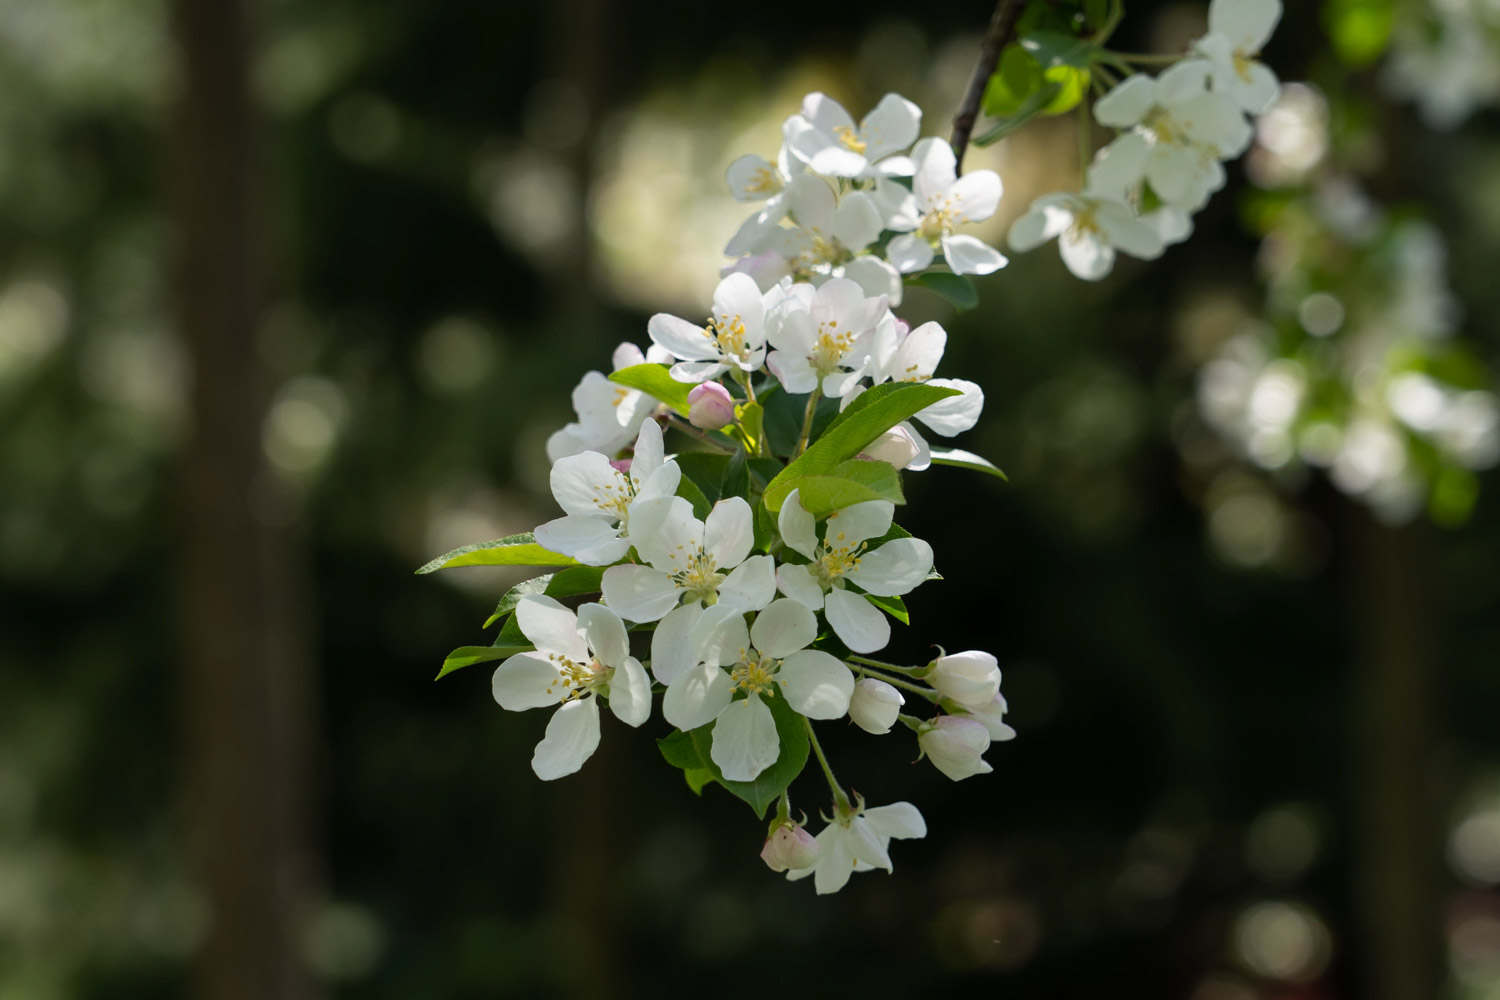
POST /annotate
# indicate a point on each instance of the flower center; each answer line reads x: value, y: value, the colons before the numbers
x: 1085, y: 223
x: 849, y: 139
x: 728, y: 334
x: 614, y: 497
x: 830, y: 347
x: 938, y: 222
x: 835, y: 559
x: 1242, y: 64
x: 764, y: 182
x: 699, y: 579
x: 579, y: 679
x: 1162, y: 125
x: 620, y: 395
x: 754, y: 675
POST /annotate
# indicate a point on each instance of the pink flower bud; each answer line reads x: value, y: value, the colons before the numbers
x: 789, y: 846
x: 874, y: 706
x: 710, y: 406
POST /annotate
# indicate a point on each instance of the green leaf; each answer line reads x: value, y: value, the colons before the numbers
x: 766, y: 533
x: 689, y: 491
x: 851, y: 482
x: 655, y: 382
x: 705, y: 469
x: 751, y: 420
x: 1058, y: 48
x: 961, y: 459
x: 736, y: 477
x: 690, y: 751
x: 782, y: 421
x: 1014, y: 82
x: 697, y: 777
x: 871, y: 415
x: 1360, y: 29
x: 568, y: 582
x: 1072, y: 84
x: 513, y: 550
x: 893, y: 606
x: 1033, y: 106
x: 956, y: 288
x: 467, y: 656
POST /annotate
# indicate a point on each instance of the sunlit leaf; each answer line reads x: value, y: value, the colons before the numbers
x: 655, y: 382
x: 513, y: 550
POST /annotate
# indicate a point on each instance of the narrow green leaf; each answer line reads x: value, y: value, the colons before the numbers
x: 871, y: 415
x: 568, y: 582
x: 961, y: 459
x: 1035, y: 103
x: 655, y: 382
x: 957, y: 289
x: 513, y: 550
x: 893, y: 606
x: 467, y: 656
x: 851, y: 482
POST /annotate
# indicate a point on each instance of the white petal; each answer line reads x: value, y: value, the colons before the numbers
x: 745, y: 741
x: 752, y: 178
x: 1247, y: 23
x: 784, y: 627
x: 551, y: 627
x: 859, y: 522
x: 630, y: 692
x: 581, y: 483
x: 909, y: 253
x: 1185, y: 81
x: 1128, y: 103
x: 865, y: 845
x: 835, y: 863
x: 575, y: 533
x: 721, y: 636
x: 899, y: 820
x: 697, y: 371
x: 638, y: 593
x: 648, y: 454
x: 955, y: 414
x: 1119, y: 167
x: 670, y: 536
x: 894, y: 568
x: 1049, y: 216
x: 893, y: 125
x: 526, y: 680
x: 937, y: 169
x: 674, y: 646
x: 739, y: 296
x: 685, y: 340
x: 697, y: 696
x: 919, y: 354
x: 1256, y: 90
x: 1087, y: 256
x: 836, y: 161
x: 1179, y: 175
x: 751, y: 586
x: 729, y: 532
x: 856, y: 222
x: 858, y: 623
x: 976, y: 195
x: 798, y: 583
x: 572, y: 737
x: 971, y: 255
x: 797, y: 526
x: 825, y: 114
x: 604, y: 633
x: 876, y: 277
x: 1128, y: 232
x: 661, y: 483
x: 816, y: 684
x: 793, y: 371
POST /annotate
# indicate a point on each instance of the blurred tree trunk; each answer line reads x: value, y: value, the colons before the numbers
x: 1398, y: 836
x: 246, y: 677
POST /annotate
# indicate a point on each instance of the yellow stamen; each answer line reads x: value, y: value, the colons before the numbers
x: 849, y: 139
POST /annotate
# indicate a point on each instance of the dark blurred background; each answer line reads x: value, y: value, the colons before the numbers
x: 292, y: 293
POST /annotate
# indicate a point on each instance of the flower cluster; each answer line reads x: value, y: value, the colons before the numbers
x: 1445, y: 55
x: 1175, y: 132
x: 860, y: 202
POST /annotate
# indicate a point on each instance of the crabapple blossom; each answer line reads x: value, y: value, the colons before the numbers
x: 772, y: 656
x: 1089, y: 230
x: 789, y: 846
x: 733, y: 338
x: 874, y: 706
x: 599, y: 498
x: 844, y: 555
x: 578, y: 659
x: 1237, y: 31
x: 609, y: 415
x: 822, y: 336
x: 971, y: 678
x: 937, y: 204
x: 992, y: 714
x: 752, y: 178
x: 858, y: 839
x: 954, y: 744
x: 824, y: 137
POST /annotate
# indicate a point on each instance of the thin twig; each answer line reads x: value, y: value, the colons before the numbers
x: 999, y: 34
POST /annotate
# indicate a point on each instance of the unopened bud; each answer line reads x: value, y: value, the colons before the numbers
x: 874, y: 706
x: 788, y: 847
x: 710, y: 406
x: 993, y: 717
x: 896, y: 446
x: 971, y: 678
x: 954, y: 744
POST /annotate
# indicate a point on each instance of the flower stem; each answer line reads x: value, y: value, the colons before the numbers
x: 866, y: 661
x: 807, y: 419
x: 901, y: 682
x: 840, y: 800
x: 1146, y: 58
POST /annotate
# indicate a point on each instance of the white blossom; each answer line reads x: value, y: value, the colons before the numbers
x: 1237, y: 31
x: 875, y: 706
x: 939, y: 202
x: 609, y: 415
x: 789, y: 846
x: 824, y: 137
x: 992, y: 715
x: 822, y: 336
x: 971, y: 678
x: 752, y: 178
x: 901, y: 354
x: 954, y: 744
x: 733, y: 338
x: 843, y: 556
x: 578, y: 659
x: 859, y: 840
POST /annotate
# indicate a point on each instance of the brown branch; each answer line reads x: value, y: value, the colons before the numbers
x: 999, y: 34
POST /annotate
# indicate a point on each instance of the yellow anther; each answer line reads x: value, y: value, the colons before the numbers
x: 849, y: 139
x: 764, y: 182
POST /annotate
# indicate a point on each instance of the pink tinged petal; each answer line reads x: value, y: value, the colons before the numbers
x: 721, y: 636
x: 857, y: 622
x: 955, y: 414
x: 526, y: 680
x: 1086, y: 255
x: 835, y: 863
x: 798, y: 583
x: 685, y: 340
x: 574, y: 534
x: 630, y: 692
x: 729, y: 532
x: 971, y: 255
x: 909, y: 253
x: 674, y: 645
x: 864, y: 844
x: 976, y: 195
x: 604, y: 633
x: 751, y: 586
x: 1128, y: 103
x: 892, y: 125
x: 697, y: 696
x: 797, y: 526
x: 856, y: 222
x: 899, y: 821
x: 1048, y: 217
x: 748, y: 176
x: 1246, y: 23
x: 745, y: 741
x: 581, y: 482
x: 551, y: 627
x: 816, y: 684
x: 894, y: 568
x: 937, y: 169
x: 572, y: 737
x: 697, y: 371
x: 876, y: 277
x: 859, y: 522
x: 784, y: 627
